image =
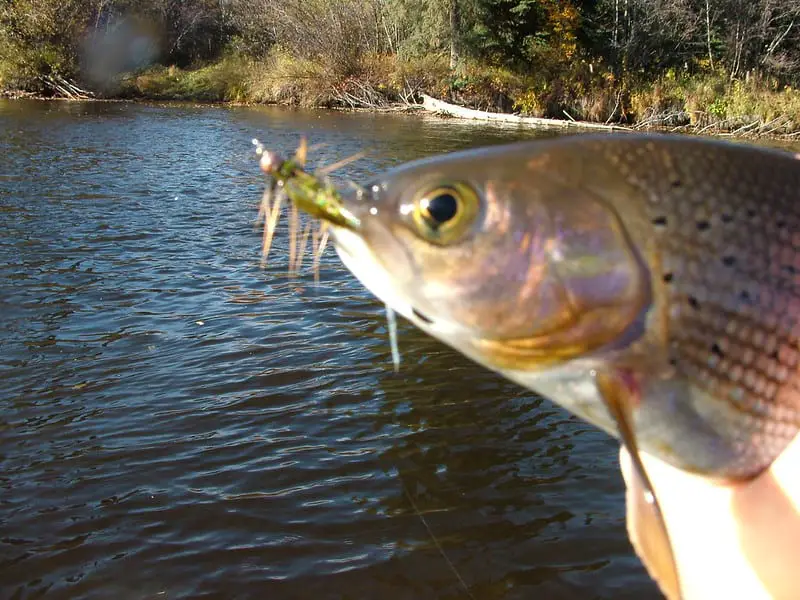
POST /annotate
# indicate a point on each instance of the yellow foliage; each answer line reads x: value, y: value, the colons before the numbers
x: 563, y: 21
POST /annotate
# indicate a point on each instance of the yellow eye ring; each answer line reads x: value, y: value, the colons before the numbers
x: 443, y: 215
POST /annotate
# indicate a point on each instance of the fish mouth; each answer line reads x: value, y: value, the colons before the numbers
x: 422, y: 317
x: 503, y: 354
x: 355, y: 254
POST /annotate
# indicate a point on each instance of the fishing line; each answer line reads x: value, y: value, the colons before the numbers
x: 433, y: 537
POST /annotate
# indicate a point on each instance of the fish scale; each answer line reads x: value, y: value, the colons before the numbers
x: 729, y: 253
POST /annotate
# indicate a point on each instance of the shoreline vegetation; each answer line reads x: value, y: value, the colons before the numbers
x: 726, y: 67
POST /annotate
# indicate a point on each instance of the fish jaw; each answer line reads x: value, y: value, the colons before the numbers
x: 572, y: 385
x: 357, y: 257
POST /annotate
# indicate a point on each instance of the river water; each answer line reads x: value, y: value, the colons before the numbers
x: 179, y: 423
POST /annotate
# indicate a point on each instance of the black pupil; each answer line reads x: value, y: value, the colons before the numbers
x: 442, y: 208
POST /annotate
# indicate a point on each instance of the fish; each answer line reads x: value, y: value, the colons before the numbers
x: 648, y: 283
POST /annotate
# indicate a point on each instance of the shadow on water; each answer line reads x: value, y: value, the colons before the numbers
x: 178, y: 423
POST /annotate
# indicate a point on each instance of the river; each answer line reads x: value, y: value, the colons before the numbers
x: 179, y: 423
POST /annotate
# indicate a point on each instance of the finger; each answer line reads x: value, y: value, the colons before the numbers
x: 703, y: 530
x: 767, y: 520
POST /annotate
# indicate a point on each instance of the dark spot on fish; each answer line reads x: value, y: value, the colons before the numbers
x: 726, y: 217
x: 668, y: 277
x: 789, y: 269
x: 744, y: 296
x: 729, y: 261
x: 774, y: 355
x: 781, y: 224
x: 751, y: 213
x: 421, y: 317
x: 703, y: 225
x: 694, y: 302
x: 673, y: 362
x: 676, y: 183
x: 660, y: 221
x: 715, y: 349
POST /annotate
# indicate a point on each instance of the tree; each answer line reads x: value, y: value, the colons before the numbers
x: 455, y: 34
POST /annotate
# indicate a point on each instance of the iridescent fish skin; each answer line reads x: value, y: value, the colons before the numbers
x: 672, y: 260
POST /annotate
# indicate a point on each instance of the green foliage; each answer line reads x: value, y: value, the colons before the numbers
x: 486, y: 87
x: 222, y: 81
x: 40, y: 38
x: 718, y: 107
x: 501, y: 31
x: 416, y: 28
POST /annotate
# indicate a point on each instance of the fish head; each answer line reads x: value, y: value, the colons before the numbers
x: 496, y: 254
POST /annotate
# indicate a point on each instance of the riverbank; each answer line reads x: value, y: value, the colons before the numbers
x: 706, y: 104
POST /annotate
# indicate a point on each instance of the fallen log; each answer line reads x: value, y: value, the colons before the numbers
x: 443, y: 108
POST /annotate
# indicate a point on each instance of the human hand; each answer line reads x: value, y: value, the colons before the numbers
x: 739, y: 540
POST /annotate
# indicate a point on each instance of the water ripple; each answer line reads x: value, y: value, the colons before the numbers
x: 178, y: 422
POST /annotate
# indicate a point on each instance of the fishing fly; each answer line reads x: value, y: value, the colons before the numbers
x: 315, y: 204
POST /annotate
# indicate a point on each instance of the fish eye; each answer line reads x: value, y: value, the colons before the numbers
x: 444, y: 214
x: 440, y: 209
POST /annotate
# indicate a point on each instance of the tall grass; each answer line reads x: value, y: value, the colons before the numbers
x: 225, y: 80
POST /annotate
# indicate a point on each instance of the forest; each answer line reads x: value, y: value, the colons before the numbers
x: 730, y: 65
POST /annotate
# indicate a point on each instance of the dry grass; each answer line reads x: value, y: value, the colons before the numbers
x: 284, y: 79
x: 371, y: 81
x: 714, y: 103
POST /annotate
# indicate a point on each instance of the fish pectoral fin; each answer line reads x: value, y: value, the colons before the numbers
x: 620, y: 393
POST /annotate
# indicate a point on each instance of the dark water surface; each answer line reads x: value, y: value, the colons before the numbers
x: 178, y: 423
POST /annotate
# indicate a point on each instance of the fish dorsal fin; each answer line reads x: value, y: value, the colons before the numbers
x: 620, y: 394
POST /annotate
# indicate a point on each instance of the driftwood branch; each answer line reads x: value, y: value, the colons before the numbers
x: 65, y: 88
x: 617, y: 101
